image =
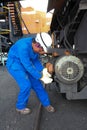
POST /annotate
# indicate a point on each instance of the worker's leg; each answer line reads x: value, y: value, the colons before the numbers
x: 40, y: 91
x: 24, y: 85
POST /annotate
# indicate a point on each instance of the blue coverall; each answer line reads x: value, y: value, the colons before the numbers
x: 24, y: 65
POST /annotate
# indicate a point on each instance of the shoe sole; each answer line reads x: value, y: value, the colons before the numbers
x: 24, y: 112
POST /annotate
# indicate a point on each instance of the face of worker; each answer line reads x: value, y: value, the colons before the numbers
x: 38, y: 48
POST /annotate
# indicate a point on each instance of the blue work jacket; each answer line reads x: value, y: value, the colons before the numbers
x: 22, y: 57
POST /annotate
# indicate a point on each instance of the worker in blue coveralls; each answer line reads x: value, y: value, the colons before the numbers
x: 24, y: 66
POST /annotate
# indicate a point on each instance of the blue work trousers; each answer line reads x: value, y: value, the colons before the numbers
x: 26, y: 82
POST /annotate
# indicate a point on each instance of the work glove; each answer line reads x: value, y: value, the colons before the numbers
x: 46, y: 79
x: 45, y: 73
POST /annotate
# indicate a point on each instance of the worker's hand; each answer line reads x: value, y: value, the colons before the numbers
x: 49, y: 67
x: 45, y: 73
x: 46, y: 79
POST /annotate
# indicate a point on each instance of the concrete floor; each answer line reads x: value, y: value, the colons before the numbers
x: 9, y: 118
x: 69, y: 115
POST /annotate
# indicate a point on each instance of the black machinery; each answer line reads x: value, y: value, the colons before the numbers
x: 69, y: 30
x: 10, y: 26
x: 10, y: 23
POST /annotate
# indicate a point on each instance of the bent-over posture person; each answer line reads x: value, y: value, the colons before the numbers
x: 24, y: 66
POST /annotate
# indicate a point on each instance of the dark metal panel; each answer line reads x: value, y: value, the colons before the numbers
x: 55, y: 4
x: 81, y: 36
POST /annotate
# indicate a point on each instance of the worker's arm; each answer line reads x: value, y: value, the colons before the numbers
x: 37, y: 63
x: 26, y: 62
x: 50, y: 67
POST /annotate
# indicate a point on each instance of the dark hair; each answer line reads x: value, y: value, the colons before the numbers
x: 33, y: 40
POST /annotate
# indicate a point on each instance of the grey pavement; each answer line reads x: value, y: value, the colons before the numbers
x: 69, y: 115
x: 9, y: 118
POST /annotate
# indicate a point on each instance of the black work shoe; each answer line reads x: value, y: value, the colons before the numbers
x: 24, y: 111
x: 50, y: 108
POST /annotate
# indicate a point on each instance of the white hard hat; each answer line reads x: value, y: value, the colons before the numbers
x: 44, y: 39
